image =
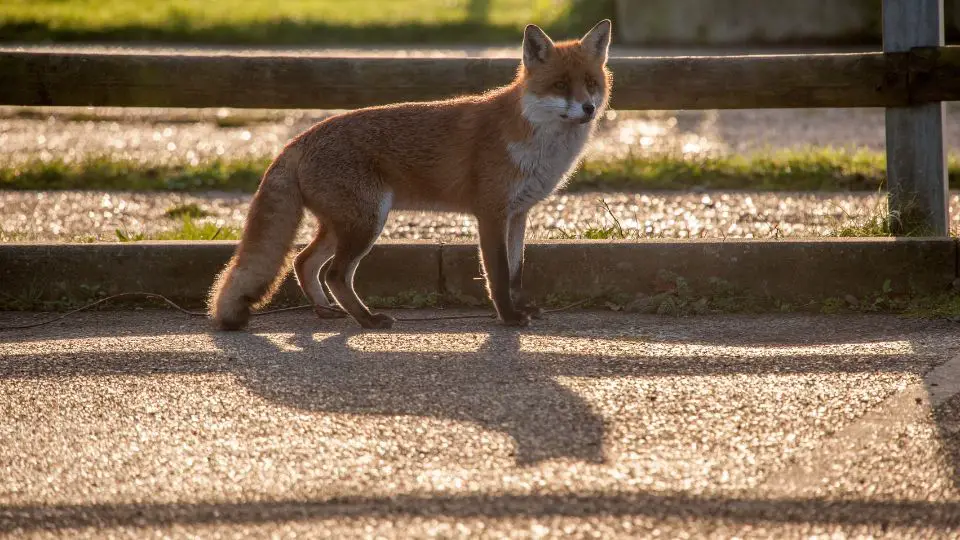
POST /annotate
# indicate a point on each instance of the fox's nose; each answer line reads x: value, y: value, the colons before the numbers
x: 589, y: 109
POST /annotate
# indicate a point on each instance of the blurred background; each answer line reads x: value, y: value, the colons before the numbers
x: 690, y: 23
x: 110, y: 174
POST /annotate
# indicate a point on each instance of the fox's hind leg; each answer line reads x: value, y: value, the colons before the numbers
x: 308, y: 266
x: 360, y: 221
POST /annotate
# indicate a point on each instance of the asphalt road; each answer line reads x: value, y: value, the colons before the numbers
x: 588, y: 424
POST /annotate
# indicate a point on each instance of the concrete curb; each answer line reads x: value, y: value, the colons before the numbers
x: 778, y: 270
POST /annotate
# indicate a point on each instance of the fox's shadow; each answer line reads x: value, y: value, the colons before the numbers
x: 494, y: 380
x: 496, y: 386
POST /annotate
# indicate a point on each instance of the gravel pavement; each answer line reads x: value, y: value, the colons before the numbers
x: 593, y: 424
x: 65, y: 216
x: 161, y: 136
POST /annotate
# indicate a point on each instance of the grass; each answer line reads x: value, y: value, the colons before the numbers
x: 181, y: 211
x: 613, y: 232
x: 814, y: 169
x: 188, y: 229
x: 877, y: 224
x: 907, y: 221
x: 945, y: 306
x: 106, y: 173
x: 294, y: 22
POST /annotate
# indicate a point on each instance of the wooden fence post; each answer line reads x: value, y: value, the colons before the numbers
x: 916, y: 157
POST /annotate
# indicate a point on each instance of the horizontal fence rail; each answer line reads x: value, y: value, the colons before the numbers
x: 289, y: 81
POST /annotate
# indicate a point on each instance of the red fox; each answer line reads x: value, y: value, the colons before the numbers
x: 493, y: 155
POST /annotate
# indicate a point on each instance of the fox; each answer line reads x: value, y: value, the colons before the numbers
x: 492, y: 155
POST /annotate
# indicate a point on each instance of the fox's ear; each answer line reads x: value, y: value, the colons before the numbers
x: 537, y: 46
x: 597, y: 41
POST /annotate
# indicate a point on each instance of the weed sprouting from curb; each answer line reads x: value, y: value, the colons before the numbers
x: 881, y: 221
x: 676, y: 297
x: 613, y: 232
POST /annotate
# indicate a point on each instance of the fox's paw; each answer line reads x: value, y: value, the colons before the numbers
x: 518, y: 319
x: 231, y: 324
x: 235, y: 318
x: 526, y: 305
x: 378, y: 321
x: 328, y: 312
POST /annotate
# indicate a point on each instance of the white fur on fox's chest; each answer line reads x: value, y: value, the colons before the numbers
x: 545, y: 160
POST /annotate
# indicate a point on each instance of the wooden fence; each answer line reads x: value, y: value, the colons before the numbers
x: 894, y: 79
x: 911, y: 78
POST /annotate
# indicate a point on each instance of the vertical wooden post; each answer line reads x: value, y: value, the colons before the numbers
x: 916, y: 157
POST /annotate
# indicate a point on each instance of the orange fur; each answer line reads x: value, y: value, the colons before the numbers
x: 493, y: 155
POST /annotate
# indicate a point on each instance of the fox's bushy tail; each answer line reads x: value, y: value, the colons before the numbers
x: 253, y: 274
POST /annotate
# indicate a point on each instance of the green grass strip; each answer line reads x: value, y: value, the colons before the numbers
x: 818, y: 169
x: 807, y: 170
x: 108, y: 174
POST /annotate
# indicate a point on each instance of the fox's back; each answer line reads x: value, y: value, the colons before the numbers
x: 431, y: 154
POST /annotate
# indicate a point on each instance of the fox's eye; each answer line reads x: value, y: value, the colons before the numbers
x: 591, y: 84
x: 560, y: 86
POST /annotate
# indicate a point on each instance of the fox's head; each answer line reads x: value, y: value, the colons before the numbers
x: 565, y: 82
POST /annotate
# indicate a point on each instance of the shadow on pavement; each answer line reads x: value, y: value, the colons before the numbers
x: 815, y: 511
x: 499, y: 385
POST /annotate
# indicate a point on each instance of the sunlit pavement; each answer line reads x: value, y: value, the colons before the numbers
x: 124, y: 423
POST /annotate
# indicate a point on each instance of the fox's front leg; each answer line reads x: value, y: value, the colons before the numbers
x: 517, y: 228
x: 496, y: 265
